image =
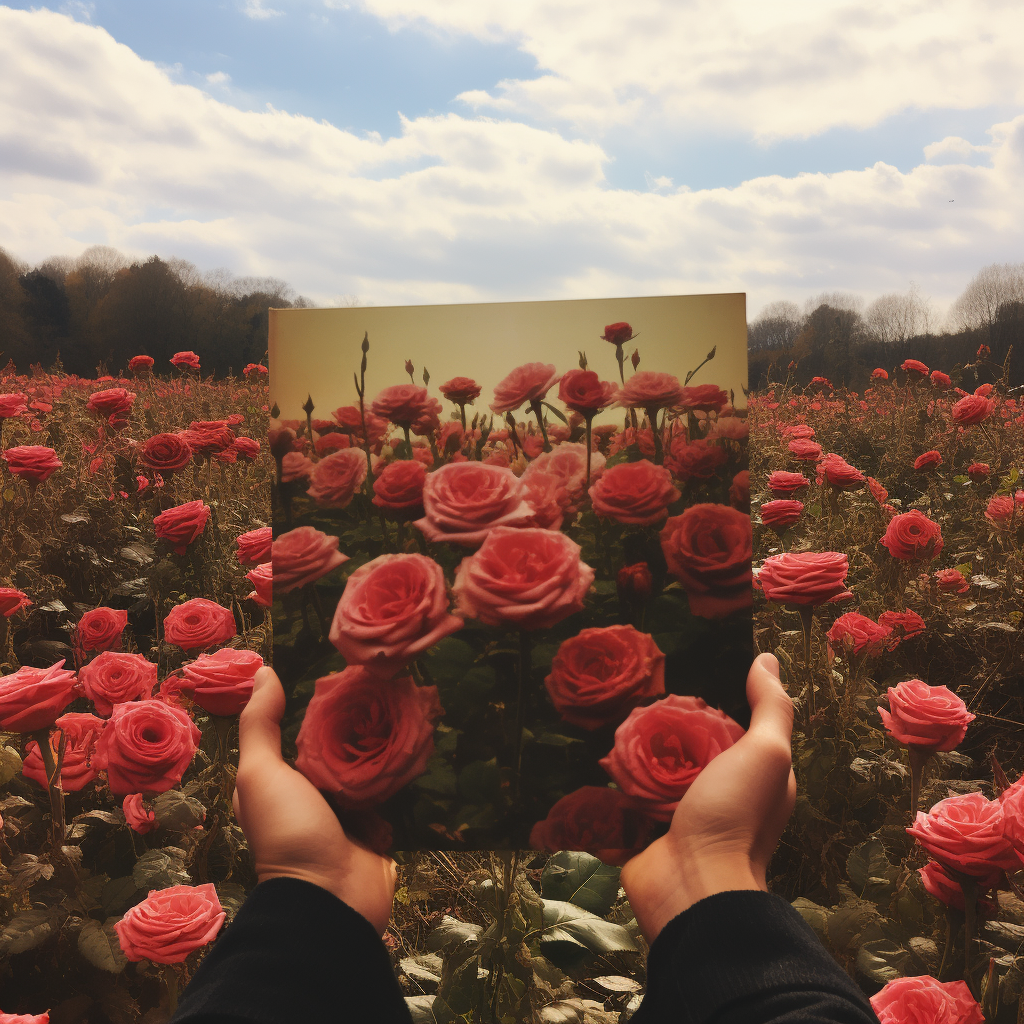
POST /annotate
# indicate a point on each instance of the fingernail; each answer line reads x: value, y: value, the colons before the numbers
x: 771, y: 664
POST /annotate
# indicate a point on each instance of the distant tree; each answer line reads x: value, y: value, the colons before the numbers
x: 845, y: 301
x: 15, y: 338
x: 776, y: 326
x: 992, y: 287
x: 899, y: 316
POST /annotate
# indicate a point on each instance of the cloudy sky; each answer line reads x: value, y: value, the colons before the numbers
x: 410, y: 151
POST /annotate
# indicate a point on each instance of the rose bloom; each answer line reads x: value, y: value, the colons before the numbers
x: 782, y: 483
x: 527, y: 383
x: 839, y: 473
x: 363, y: 738
x: 805, y: 578
x: 915, y: 368
x: 393, y: 608
x: 1000, y: 511
x: 76, y: 770
x: 926, y: 1000
x: 597, y: 820
x: 633, y: 582
x: 113, y: 678
x: 695, y: 460
x: 798, y: 430
x: 925, y: 716
x: 703, y: 398
x: 34, y: 463
x: 525, y: 578
x: 929, y: 460
x: 972, y: 409
x: 198, y: 624
x: 569, y: 463
x: 140, y: 819
x: 296, y: 466
x: 739, y: 491
x: 548, y: 498
x: 408, y: 406
x: 350, y: 419
x: 598, y: 676
x: 940, y: 380
x: 335, y: 479
x: 25, y: 1018
x: 965, y: 833
x: 618, y: 333
x: 181, y: 525
x: 584, y: 392
x: 303, y: 556
x: 257, y: 369
x: 660, y: 750
x: 221, y: 683
x: 856, y: 634
x: 978, y: 471
x: 952, y: 581
x: 464, y: 501
x: 878, y: 492
x: 732, y: 428
x: 262, y: 579
x: 331, y: 442
x: 903, y: 624
x: 804, y: 450
x: 111, y: 402
x: 460, y: 390
x: 709, y: 549
x: 12, y: 601
x: 912, y: 535
x: 165, y: 453
x: 140, y: 363
x: 12, y: 405
x: 100, y: 629
x: 171, y: 923
x: 879, y: 374
x: 246, y: 447
x: 938, y: 884
x: 1012, y: 800
x: 400, y: 485
x: 634, y: 493
x: 182, y: 359
x: 650, y: 390
x: 781, y: 513
x: 254, y: 546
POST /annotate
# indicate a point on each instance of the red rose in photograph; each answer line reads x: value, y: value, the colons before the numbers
x: 408, y: 406
x: 709, y: 549
x: 938, y: 884
x: 925, y: 716
x: 254, y: 546
x: 221, y: 683
x: 334, y: 480
x: 350, y: 419
x: 113, y: 678
x: 140, y: 819
x: 393, y: 608
x: 839, y: 473
x: 694, y: 460
x: 146, y: 747
x: 76, y: 771
x: 181, y: 525
x: 704, y: 398
x: 245, y: 447
x: 597, y: 820
x: 400, y: 485
x: 798, y: 430
x: 327, y: 443
x: 804, y: 450
x: 170, y: 923
x: 111, y: 402
x: 856, y: 634
x: 12, y: 601
x: 527, y: 383
x: 660, y: 750
x: 569, y: 462
x: 903, y: 624
x: 972, y: 409
x: 34, y: 463
x: 618, y: 333
x: 1000, y: 511
x: 302, y: 556
x: 12, y: 405
x: 525, y: 578
x: 599, y: 676
x: 548, y: 497
x: 915, y: 369
x: 781, y: 513
x: 363, y: 738
x: 878, y: 492
x: 296, y: 466
x: 584, y: 392
x: 952, y: 581
x: 805, y: 578
x: 650, y: 390
x: 879, y: 374
x: 739, y: 491
x: 911, y: 536
x: 978, y: 471
x: 782, y: 483
x: 633, y: 582
x: 925, y: 1000
x: 634, y: 493
x: 940, y: 380
x: 198, y: 624
x: 166, y: 453
x: 460, y: 390
x: 183, y: 359
x: 464, y: 501
x: 928, y: 460
x: 100, y: 629
x: 139, y: 364
x: 262, y: 579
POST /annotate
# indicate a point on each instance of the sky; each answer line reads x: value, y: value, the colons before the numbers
x: 424, y: 151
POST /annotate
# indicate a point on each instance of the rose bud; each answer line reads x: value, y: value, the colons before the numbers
x: 633, y: 583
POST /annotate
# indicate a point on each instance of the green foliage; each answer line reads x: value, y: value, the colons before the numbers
x: 582, y: 879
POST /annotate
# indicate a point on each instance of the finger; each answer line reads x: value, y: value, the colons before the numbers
x: 259, y: 728
x: 771, y: 710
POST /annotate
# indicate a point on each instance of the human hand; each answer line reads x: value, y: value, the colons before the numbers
x: 292, y: 830
x: 727, y: 825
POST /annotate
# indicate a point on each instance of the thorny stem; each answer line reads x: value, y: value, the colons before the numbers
x: 918, y: 757
x: 42, y: 737
x: 590, y: 424
x: 539, y: 413
x: 806, y: 621
x: 171, y: 980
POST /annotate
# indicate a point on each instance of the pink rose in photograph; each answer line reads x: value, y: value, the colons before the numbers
x: 798, y: 430
x: 113, y: 678
x: 302, y: 556
x: 1012, y: 800
x: 13, y: 601
x: 952, y: 581
x: 34, y: 463
x: 925, y: 716
x: 661, y: 748
x: 703, y: 398
x: 245, y: 447
x: 972, y: 409
x: 731, y: 428
x: 146, y: 747
x: 254, y: 546
x: 100, y: 629
x: 650, y: 390
x: 76, y: 770
x: 739, y: 491
x: 185, y: 359
x: 363, y: 738
x: 839, y: 473
x: 618, y: 333
x: 569, y: 462
x: 926, y: 1000
x: 781, y: 513
x: 804, y: 450
x: 171, y: 923
x: 199, y: 624
x: 24, y: 1018
x: 912, y: 536
x: 854, y: 634
x: 111, y: 402
x: 782, y: 483
x: 634, y: 493
x: 221, y: 683
x: 708, y: 548
x: 1000, y: 511
x: 334, y: 480
x: 694, y: 460
x: 12, y: 405
x: 548, y: 497
x: 460, y: 390
x: 408, y: 406
x: 399, y: 485
x: 927, y: 461
x: 296, y: 466
x: 584, y: 392
x: 938, y: 884
x: 902, y: 624
x: 598, y: 676
x: 181, y: 525
x: 528, y: 383
x: 525, y: 578
x: 393, y: 608
x: 139, y: 818
x: 804, y: 579
x: 165, y: 453
x: 140, y: 364
x: 262, y: 579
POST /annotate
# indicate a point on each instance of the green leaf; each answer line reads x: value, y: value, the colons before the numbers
x: 25, y: 931
x: 554, y: 739
x: 870, y: 873
x: 452, y: 932
x: 449, y: 659
x: 563, y: 1011
x: 178, y: 812
x: 604, y: 587
x: 881, y: 960
x: 99, y: 944
x: 160, y: 869
x: 231, y: 896
x: 421, y: 1009
x: 581, y: 879
x: 10, y: 764
x: 480, y: 781
x: 565, y: 922
x: 119, y: 894
x: 439, y: 778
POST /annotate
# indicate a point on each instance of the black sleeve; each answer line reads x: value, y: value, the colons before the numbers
x: 294, y: 952
x: 746, y: 958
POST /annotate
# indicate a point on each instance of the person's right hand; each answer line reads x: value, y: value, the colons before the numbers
x: 291, y: 829
x: 727, y: 825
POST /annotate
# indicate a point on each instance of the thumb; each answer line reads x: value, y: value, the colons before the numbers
x: 259, y: 728
x: 771, y: 710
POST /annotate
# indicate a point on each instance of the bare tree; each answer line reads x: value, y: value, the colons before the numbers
x: 776, y: 326
x: 899, y: 316
x: 845, y: 301
x: 993, y: 286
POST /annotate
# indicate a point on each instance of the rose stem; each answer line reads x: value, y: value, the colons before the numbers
x: 462, y: 414
x: 539, y: 413
x: 171, y: 980
x: 918, y: 756
x: 652, y: 416
x: 806, y: 613
x: 524, y: 678
x: 408, y: 441
x: 384, y: 531
x: 590, y: 422
x: 42, y: 737
x: 948, y: 944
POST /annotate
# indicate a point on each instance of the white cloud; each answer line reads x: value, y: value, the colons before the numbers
x: 218, y: 78
x: 953, y: 149
x: 101, y: 146
x: 79, y: 9
x: 255, y: 9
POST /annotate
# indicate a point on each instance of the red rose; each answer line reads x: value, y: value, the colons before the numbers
x: 140, y: 363
x: 12, y: 601
x: 245, y: 447
x: 633, y: 582
x: 327, y: 443
x: 903, y: 624
x: 856, y: 634
x: 569, y: 463
x: 254, y: 546
x: 76, y: 770
x: 709, y: 549
x: 597, y: 820
x: 696, y: 460
x: 208, y: 436
x: 739, y: 491
x: 146, y: 747
x: 915, y: 369
x: 111, y: 402
x: 460, y: 390
x: 12, y: 405
x: 940, y: 380
x: 972, y: 409
x: 634, y: 493
x: 408, y: 406
x: 912, y: 535
x: 34, y: 463
x: 349, y: 418
x: 363, y: 738
x: 221, y: 683
x: 198, y: 624
x: 525, y: 578
x: 879, y: 374
x: 527, y: 383
x: 952, y: 581
x: 925, y: 716
x: 804, y: 579
x: 100, y: 629
x: 781, y: 513
x: 32, y: 698
x: 926, y: 1000
x: 1012, y: 800
x: 938, y: 884
x: 804, y: 450
x: 181, y: 525
x: 598, y: 676
x: 1000, y: 511
x: 24, y: 1018
x: 978, y: 471
x: 878, y: 492
x: 335, y: 479
x: 140, y: 818
x: 839, y: 473
x: 170, y: 923
x: 798, y: 430
x: 584, y: 392
x: 929, y: 460
x: 782, y: 483
x: 113, y: 678
x: 650, y: 390
x: 302, y: 556
x: 618, y: 333
x: 254, y: 370
x: 392, y: 609
x: 262, y: 579
x: 189, y: 359
x: 400, y: 485
x: 660, y: 750
x: 704, y: 398
x: 165, y: 453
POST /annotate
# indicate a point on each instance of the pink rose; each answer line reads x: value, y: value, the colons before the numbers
x: 113, y: 678
x: 254, y: 546
x: 569, y: 462
x: 584, y: 392
x: 408, y: 406
x: 704, y: 398
x: 527, y: 383
x: 140, y: 818
x: 523, y: 578
x: 32, y: 698
x: 938, y: 884
x: 781, y: 513
x: 363, y: 738
x: 181, y: 525
x: 804, y: 450
x: 183, y: 359
x: 262, y: 579
x: 697, y: 460
x: 650, y: 390
x: 903, y: 624
x: 302, y: 556
x: 739, y: 491
x: 952, y: 581
x: 393, y: 608
x: 400, y: 485
x: 972, y: 409
x: 12, y: 405
x: 634, y: 493
x: 245, y: 447
x: 912, y: 535
x: 1012, y: 800
x: 77, y: 770
x: 296, y: 466
x: 139, y: 364
x: 25, y: 1018
x: 854, y: 634
x: 548, y: 497
x: 12, y: 601
x: 925, y: 716
x: 926, y: 1000
x: 804, y: 578
x: 100, y: 629
x: 335, y: 479
x: 660, y: 750
x: 221, y: 683
x: 34, y: 463
x: 170, y: 923
x: 460, y: 390
x: 782, y: 483
x: 839, y: 473
x: 198, y: 624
